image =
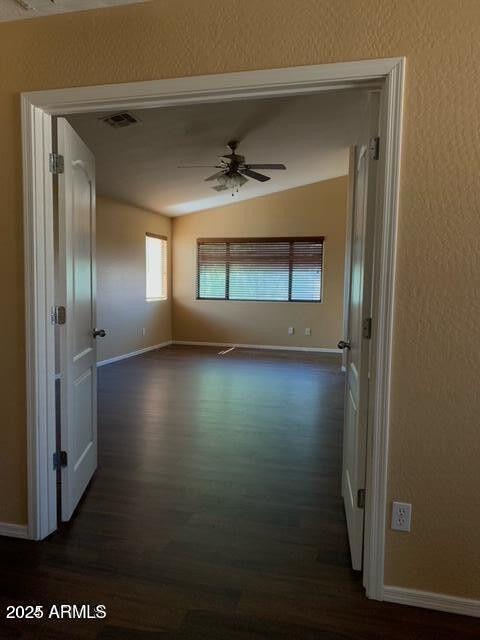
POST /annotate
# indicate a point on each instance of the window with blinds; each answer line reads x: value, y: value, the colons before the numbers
x: 260, y: 269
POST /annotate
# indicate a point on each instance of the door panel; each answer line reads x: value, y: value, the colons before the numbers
x: 76, y: 206
x: 351, y: 410
x: 357, y: 357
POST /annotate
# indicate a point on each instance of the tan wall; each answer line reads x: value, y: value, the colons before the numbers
x: 121, y: 306
x: 434, y: 441
x: 318, y: 209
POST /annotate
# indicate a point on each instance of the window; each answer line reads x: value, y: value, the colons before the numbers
x: 269, y: 269
x: 156, y: 266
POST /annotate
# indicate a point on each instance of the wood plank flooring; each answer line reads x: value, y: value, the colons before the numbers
x: 215, y: 512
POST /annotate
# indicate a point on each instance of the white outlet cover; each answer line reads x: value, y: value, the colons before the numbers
x: 401, y: 516
x: 308, y: 331
x: 291, y: 331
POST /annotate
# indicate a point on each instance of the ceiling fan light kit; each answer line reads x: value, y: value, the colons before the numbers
x: 234, y: 171
x: 231, y: 181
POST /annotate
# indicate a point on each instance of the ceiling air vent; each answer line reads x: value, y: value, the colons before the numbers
x: 24, y: 4
x: 120, y: 120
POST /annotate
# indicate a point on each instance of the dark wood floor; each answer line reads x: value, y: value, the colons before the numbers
x: 215, y: 512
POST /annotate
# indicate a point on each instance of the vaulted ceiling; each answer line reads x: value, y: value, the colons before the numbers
x: 21, y: 9
x: 139, y: 163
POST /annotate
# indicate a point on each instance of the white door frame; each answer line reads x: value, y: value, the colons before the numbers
x: 37, y: 111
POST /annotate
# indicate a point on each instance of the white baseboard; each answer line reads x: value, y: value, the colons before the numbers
x: 256, y: 346
x: 13, y: 530
x: 429, y: 600
x: 134, y: 353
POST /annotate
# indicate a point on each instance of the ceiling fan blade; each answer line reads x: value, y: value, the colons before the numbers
x: 215, y: 176
x: 198, y: 166
x: 253, y: 174
x: 220, y: 187
x: 265, y: 166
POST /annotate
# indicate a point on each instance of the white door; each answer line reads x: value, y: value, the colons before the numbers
x: 356, y: 346
x: 78, y: 354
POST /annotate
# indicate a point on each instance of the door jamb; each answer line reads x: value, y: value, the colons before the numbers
x: 37, y: 111
x: 352, y: 160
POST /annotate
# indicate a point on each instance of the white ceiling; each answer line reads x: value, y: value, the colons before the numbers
x: 139, y: 164
x: 20, y: 9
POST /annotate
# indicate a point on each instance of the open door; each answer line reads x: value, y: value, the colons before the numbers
x: 78, y: 354
x: 356, y: 343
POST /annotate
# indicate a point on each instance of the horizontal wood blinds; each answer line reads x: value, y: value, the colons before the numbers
x: 268, y: 269
x: 212, y: 270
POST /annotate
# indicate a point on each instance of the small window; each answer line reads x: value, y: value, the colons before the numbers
x: 156, y: 267
x: 260, y: 269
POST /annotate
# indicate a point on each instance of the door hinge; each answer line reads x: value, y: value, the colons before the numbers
x: 56, y: 163
x: 60, y: 459
x: 361, y: 498
x: 367, y: 328
x: 374, y: 148
x: 58, y: 315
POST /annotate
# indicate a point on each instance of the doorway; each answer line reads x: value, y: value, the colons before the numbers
x: 38, y: 109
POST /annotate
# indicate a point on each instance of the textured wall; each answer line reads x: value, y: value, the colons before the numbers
x: 121, y: 306
x: 434, y: 444
x: 317, y: 209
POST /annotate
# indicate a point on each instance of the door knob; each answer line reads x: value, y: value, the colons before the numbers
x: 99, y: 333
x: 344, y: 344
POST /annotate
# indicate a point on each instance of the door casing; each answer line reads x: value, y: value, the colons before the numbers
x: 37, y: 111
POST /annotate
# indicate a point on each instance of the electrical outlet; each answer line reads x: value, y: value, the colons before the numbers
x: 144, y: 331
x: 308, y: 331
x: 291, y: 331
x: 401, y: 516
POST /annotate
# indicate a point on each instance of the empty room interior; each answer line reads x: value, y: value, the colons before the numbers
x: 239, y: 357
x: 219, y: 307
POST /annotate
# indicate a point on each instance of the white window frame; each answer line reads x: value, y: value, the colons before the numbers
x: 163, y: 273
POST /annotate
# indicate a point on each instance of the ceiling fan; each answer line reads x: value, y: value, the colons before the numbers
x: 234, y: 171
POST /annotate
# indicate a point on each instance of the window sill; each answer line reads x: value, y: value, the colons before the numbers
x: 156, y: 299
x: 259, y: 301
